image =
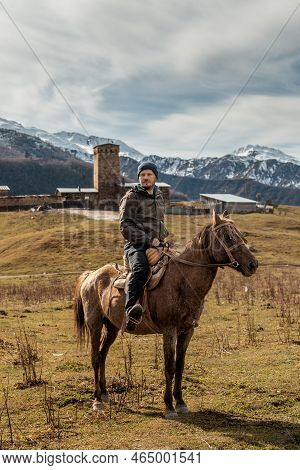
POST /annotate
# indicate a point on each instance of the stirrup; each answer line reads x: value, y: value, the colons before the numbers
x: 132, y: 322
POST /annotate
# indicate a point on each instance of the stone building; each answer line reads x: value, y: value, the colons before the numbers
x: 106, y: 192
x: 108, y: 187
x: 107, y: 174
x: 107, y: 180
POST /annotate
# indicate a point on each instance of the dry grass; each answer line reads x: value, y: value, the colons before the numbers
x: 55, y: 242
x: 59, y: 241
x: 242, y: 371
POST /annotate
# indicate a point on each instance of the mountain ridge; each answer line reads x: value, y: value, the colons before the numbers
x: 251, y: 162
x: 264, y: 164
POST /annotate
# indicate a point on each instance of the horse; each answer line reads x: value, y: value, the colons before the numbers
x: 175, y: 304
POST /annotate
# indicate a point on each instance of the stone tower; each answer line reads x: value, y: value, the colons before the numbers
x: 107, y: 173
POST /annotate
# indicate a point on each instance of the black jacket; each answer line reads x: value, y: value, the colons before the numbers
x: 142, y: 217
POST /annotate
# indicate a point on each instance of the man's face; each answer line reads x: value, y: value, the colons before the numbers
x: 147, y: 178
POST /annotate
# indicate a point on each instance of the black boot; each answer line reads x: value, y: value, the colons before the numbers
x: 133, y: 317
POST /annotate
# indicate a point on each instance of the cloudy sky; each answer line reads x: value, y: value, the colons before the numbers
x: 159, y: 74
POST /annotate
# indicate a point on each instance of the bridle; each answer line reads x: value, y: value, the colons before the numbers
x: 233, y: 262
x: 227, y: 249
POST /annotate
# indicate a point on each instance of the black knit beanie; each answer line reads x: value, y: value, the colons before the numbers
x: 147, y: 166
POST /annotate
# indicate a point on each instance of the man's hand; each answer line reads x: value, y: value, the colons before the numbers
x: 155, y: 242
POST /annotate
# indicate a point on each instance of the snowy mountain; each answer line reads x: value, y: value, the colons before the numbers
x: 191, y: 187
x: 74, y: 142
x: 265, y: 153
x: 263, y: 164
x: 17, y: 144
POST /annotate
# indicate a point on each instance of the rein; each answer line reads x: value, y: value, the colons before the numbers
x: 235, y: 264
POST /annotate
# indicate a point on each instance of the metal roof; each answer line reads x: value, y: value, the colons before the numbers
x: 160, y: 185
x: 228, y: 198
x: 76, y: 190
x: 4, y: 188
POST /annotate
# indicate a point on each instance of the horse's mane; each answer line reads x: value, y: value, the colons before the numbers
x: 200, y: 240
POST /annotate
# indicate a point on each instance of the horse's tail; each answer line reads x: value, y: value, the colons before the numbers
x: 79, y: 320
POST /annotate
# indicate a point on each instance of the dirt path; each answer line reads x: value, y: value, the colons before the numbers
x: 95, y: 214
x: 37, y: 275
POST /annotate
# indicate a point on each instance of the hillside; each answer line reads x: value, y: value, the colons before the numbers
x: 13, y: 143
x: 241, y: 377
x: 265, y: 165
x: 36, y: 177
x: 60, y: 241
x: 29, y: 165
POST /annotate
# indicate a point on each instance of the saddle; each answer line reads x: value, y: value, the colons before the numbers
x: 158, y: 262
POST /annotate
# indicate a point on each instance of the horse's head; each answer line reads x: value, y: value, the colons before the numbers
x: 228, y: 245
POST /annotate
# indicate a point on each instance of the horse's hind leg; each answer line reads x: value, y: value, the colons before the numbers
x: 109, y: 334
x: 170, y: 337
x: 95, y: 327
x: 181, y: 348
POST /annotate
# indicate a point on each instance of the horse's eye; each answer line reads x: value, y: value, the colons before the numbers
x: 227, y: 238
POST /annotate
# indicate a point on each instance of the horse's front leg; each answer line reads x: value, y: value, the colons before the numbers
x: 169, y: 339
x: 109, y: 334
x: 183, y: 341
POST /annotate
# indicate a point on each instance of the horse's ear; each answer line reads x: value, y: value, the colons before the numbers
x: 216, y: 218
x: 225, y: 214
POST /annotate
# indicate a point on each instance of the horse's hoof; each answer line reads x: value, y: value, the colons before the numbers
x: 98, y: 405
x: 105, y: 397
x: 171, y: 414
x: 183, y: 409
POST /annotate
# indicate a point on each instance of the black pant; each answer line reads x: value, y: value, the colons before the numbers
x: 139, y: 266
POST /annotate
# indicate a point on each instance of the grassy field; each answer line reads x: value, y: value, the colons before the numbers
x: 241, y: 379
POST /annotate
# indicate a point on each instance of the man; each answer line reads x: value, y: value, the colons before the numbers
x: 141, y: 224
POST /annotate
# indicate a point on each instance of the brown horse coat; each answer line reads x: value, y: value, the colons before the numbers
x: 175, y: 305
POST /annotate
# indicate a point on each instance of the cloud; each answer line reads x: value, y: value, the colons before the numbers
x: 256, y: 119
x: 156, y: 75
